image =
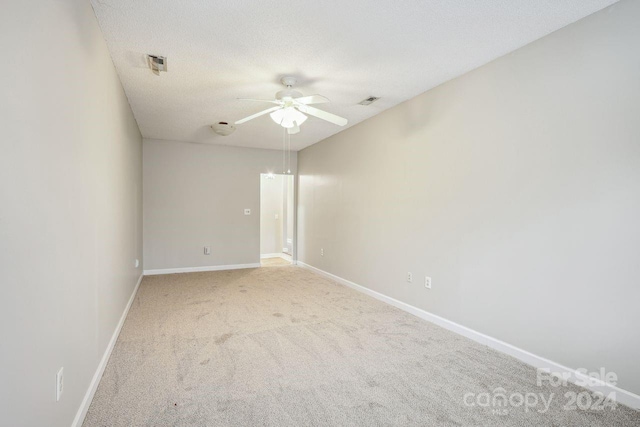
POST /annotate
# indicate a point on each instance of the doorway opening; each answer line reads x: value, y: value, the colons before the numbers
x: 276, y: 219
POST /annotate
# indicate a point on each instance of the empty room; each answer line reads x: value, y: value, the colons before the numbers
x: 320, y: 213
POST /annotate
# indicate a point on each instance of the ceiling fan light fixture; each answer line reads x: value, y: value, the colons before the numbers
x: 292, y: 109
x: 288, y: 117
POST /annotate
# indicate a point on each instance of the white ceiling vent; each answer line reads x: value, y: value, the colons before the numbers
x: 157, y: 64
x: 370, y: 100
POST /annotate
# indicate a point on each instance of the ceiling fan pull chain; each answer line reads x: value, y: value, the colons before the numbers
x: 284, y: 146
x: 289, y: 150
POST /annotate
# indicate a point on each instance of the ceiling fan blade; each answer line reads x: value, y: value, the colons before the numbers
x: 261, y: 113
x: 336, y: 120
x: 272, y: 101
x: 312, y: 99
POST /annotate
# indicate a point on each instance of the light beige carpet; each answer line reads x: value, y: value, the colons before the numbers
x: 281, y: 346
x: 273, y: 262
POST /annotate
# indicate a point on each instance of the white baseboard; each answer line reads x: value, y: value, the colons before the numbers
x: 195, y: 269
x: 93, y: 386
x: 284, y: 256
x: 621, y: 396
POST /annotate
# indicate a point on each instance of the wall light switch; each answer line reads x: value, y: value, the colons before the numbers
x: 207, y: 250
x: 277, y: 216
x: 137, y: 263
x: 247, y: 211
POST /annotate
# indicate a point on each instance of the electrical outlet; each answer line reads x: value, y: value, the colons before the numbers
x: 427, y: 282
x: 59, y: 384
x: 322, y: 252
x: 409, y: 277
x: 207, y: 250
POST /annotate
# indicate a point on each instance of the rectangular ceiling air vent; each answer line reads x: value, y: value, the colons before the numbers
x: 370, y: 100
x: 157, y: 64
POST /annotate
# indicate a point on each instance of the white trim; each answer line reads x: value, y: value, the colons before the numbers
x: 273, y: 255
x: 285, y: 257
x: 621, y: 396
x: 195, y: 269
x: 93, y: 386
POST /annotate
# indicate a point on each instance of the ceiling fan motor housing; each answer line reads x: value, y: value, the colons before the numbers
x: 288, y: 81
x: 288, y: 92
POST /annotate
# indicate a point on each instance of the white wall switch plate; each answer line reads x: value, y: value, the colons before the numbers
x: 427, y: 282
x: 277, y: 216
x: 59, y: 384
x: 207, y: 250
x: 137, y: 263
x: 247, y: 211
x: 409, y: 277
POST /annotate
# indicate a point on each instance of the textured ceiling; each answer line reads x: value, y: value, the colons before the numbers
x: 345, y: 50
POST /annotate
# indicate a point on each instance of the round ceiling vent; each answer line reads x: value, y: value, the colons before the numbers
x: 223, y: 128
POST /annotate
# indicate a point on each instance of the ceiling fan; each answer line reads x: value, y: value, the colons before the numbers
x: 292, y: 108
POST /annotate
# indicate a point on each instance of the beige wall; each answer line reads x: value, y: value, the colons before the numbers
x: 70, y: 210
x: 516, y: 187
x: 195, y: 195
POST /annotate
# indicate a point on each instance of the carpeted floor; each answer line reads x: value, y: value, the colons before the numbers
x: 281, y: 346
x: 273, y: 262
